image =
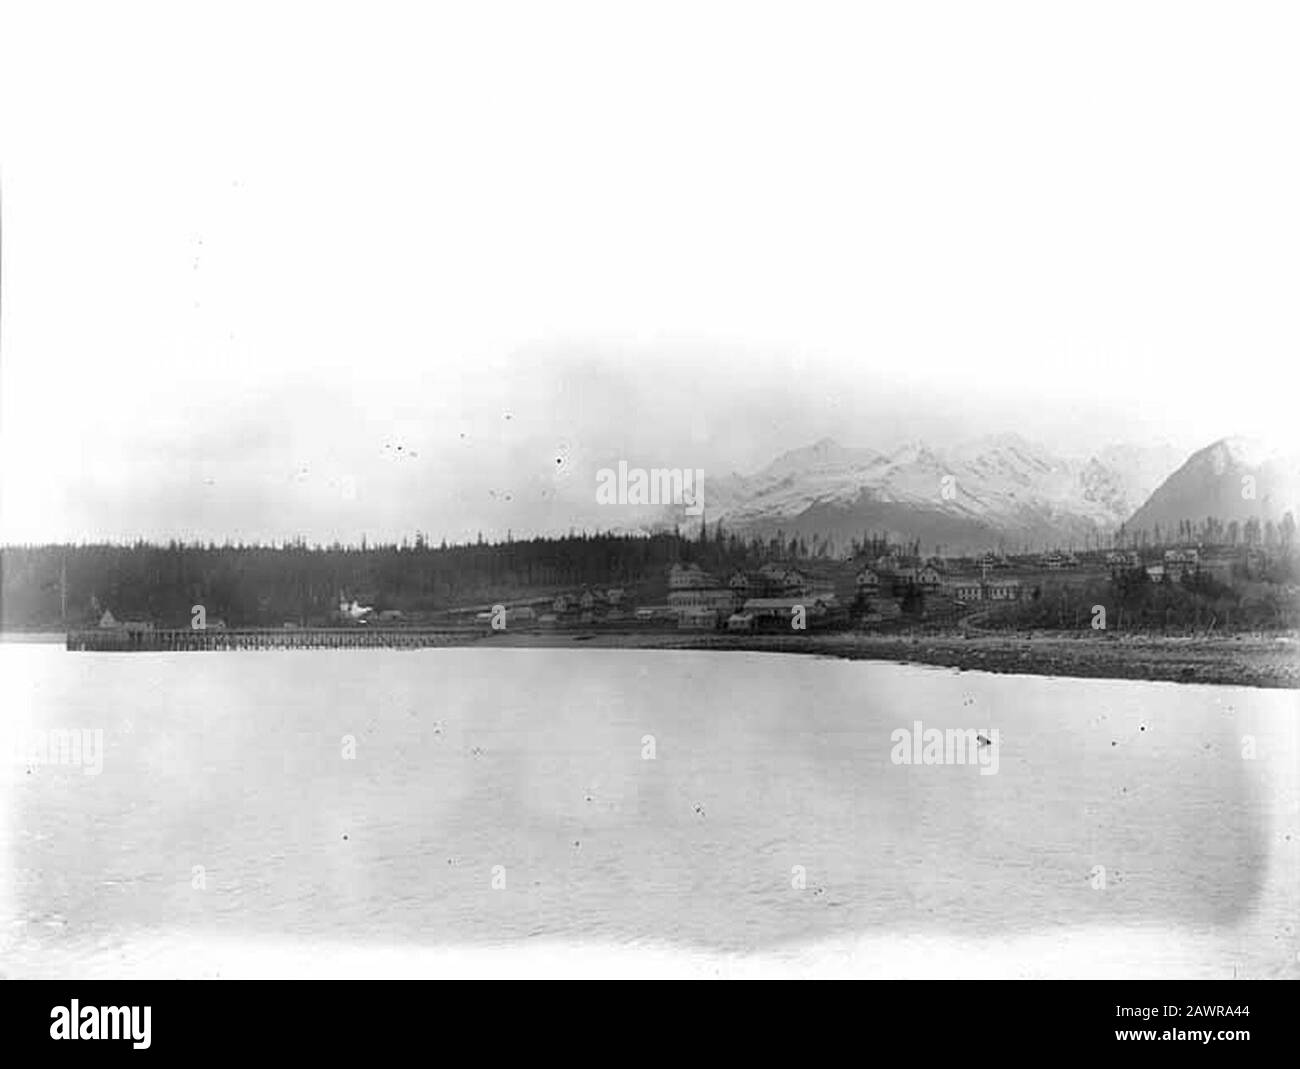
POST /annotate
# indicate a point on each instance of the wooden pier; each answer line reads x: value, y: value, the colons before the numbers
x: 268, y: 638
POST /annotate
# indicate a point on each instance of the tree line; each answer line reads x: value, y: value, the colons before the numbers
x: 52, y: 586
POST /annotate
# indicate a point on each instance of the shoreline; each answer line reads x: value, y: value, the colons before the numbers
x: 1247, y: 660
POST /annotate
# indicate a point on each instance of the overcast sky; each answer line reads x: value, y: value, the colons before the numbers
x: 251, y: 250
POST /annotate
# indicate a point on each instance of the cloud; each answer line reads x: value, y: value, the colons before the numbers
x: 708, y: 238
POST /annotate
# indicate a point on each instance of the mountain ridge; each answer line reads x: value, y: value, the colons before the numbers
x: 1236, y: 478
x: 1000, y: 489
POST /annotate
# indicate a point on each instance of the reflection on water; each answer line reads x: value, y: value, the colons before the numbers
x: 706, y: 802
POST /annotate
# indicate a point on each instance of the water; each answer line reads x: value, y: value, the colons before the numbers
x: 227, y: 833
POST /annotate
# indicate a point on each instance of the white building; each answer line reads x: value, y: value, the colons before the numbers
x: 697, y: 619
x: 353, y: 610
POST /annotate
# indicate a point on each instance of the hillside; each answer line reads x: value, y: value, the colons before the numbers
x: 1233, y: 479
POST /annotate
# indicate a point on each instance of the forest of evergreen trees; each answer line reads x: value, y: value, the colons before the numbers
x: 53, y: 587
x: 1213, y: 531
x: 1134, y: 602
x: 50, y: 586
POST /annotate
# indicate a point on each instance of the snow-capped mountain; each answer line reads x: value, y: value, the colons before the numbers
x: 1231, y: 479
x: 998, y: 490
